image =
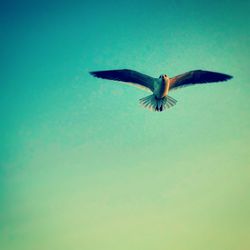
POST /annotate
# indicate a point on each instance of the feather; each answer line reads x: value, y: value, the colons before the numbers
x: 197, y: 77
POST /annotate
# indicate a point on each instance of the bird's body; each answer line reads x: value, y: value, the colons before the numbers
x: 160, y: 100
x: 161, y: 86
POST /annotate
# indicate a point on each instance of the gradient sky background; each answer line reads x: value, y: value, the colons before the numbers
x: 84, y: 166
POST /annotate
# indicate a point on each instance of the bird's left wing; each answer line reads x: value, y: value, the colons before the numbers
x: 127, y: 75
x: 197, y: 77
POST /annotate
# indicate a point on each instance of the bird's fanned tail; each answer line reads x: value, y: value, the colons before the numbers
x: 152, y: 103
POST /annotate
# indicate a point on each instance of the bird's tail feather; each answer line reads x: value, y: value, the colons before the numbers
x: 152, y: 103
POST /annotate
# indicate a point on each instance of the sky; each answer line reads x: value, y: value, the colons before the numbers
x: 84, y: 166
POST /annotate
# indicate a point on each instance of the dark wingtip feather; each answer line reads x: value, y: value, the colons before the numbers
x: 99, y: 74
x: 216, y: 76
x: 226, y: 77
x: 93, y: 73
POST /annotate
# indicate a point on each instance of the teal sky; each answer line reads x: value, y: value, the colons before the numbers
x: 84, y: 166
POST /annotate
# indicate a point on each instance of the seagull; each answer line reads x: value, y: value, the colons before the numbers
x: 160, y: 100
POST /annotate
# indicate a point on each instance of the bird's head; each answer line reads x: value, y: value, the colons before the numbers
x: 164, y: 77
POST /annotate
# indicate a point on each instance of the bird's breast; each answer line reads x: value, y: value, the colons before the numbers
x: 161, y: 89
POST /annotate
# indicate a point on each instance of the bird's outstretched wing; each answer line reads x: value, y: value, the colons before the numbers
x: 127, y: 75
x: 197, y: 77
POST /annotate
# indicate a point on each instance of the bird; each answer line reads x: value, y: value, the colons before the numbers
x: 159, y: 100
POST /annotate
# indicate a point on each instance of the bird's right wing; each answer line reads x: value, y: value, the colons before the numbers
x: 127, y: 75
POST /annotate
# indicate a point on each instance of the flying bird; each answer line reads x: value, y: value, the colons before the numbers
x: 160, y: 100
